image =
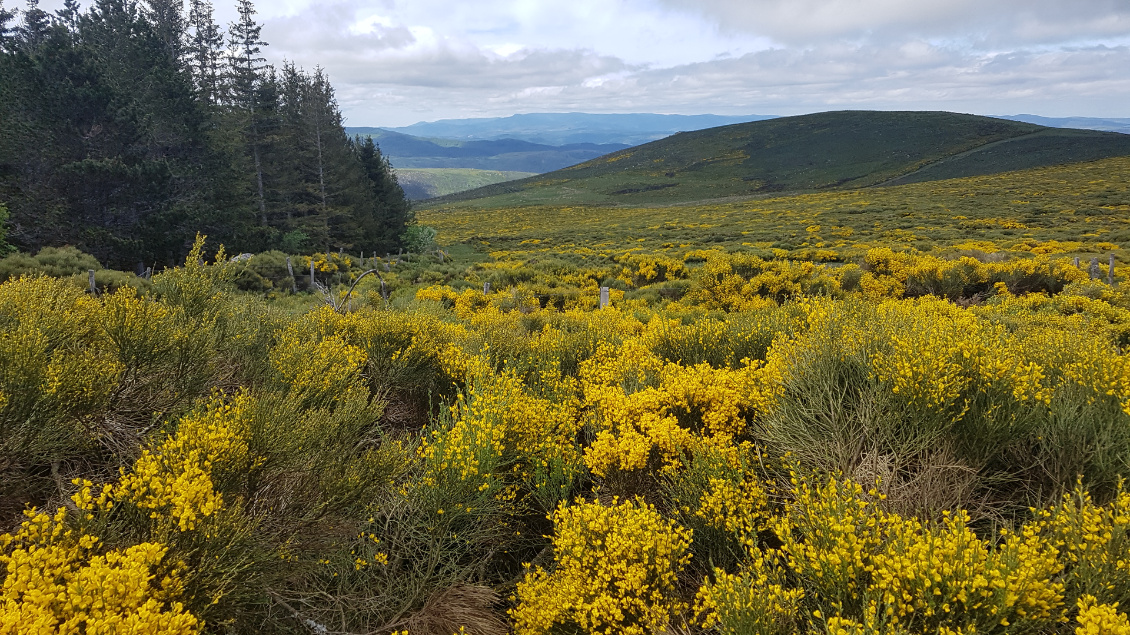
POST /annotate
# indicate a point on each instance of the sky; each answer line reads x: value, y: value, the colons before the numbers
x: 397, y: 62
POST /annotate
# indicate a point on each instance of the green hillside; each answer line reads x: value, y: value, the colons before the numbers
x: 825, y: 151
x: 424, y: 183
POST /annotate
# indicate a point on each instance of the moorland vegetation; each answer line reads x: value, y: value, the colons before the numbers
x: 842, y: 434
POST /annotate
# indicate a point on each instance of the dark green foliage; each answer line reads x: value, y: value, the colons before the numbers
x: 35, y: 26
x: 205, y: 50
x: 6, y: 32
x: 393, y: 211
x: 128, y: 129
x: 4, y: 246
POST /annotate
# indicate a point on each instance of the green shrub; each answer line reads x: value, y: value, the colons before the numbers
x: 419, y: 238
x: 57, y: 262
x: 267, y: 272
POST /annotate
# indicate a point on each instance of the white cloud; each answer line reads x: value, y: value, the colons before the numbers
x: 993, y: 22
x: 395, y: 62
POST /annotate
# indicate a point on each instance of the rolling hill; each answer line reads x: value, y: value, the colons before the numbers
x: 507, y: 155
x: 825, y: 151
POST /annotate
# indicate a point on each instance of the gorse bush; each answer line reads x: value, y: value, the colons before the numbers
x: 910, y: 445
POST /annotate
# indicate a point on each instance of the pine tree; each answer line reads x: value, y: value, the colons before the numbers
x: 6, y: 32
x: 166, y: 18
x: 34, y: 28
x: 68, y: 16
x: 296, y: 198
x: 245, y: 64
x: 393, y: 211
x: 205, y: 50
x: 320, y: 114
x: 245, y: 48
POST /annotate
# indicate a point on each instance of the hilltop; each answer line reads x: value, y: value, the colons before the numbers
x: 826, y: 151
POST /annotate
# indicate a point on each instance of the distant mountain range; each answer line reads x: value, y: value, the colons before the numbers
x: 1083, y: 123
x: 408, y: 151
x: 558, y: 129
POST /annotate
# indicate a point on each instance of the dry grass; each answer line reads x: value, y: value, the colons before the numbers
x: 475, y: 609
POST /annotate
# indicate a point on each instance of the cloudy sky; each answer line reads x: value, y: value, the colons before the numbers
x: 396, y: 62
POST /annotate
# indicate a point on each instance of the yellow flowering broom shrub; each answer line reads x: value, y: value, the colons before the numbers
x: 59, y: 579
x: 615, y: 572
x: 501, y: 439
x: 1100, y: 619
x: 175, y: 481
x: 646, y: 413
x: 756, y: 600
x: 1094, y: 545
x: 62, y: 575
x: 901, y: 575
x: 720, y: 495
x: 352, y: 468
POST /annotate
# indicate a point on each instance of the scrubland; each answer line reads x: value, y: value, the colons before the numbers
x: 822, y: 431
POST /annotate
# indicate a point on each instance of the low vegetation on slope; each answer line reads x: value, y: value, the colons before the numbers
x: 423, y: 183
x: 825, y: 151
x: 1081, y: 209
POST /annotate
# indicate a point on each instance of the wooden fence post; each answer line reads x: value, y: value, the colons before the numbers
x: 290, y: 270
x: 1095, y: 273
x: 1076, y: 262
x: 93, y: 285
x: 604, y: 299
x: 311, y: 273
x: 486, y: 288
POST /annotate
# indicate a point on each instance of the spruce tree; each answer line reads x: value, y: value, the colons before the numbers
x: 205, y: 44
x: 6, y: 32
x: 166, y: 18
x: 297, y: 200
x: 244, y: 64
x: 393, y: 212
x: 34, y: 27
x: 68, y: 16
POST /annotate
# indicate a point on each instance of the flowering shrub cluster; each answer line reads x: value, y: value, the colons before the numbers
x: 616, y: 570
x: 908, y: 444
x: 59, y: 580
